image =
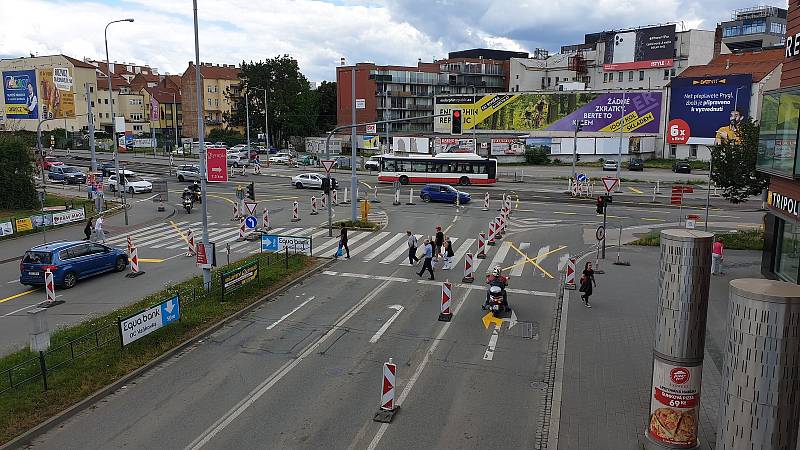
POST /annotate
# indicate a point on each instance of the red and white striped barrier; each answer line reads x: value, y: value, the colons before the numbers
x: 447, y: 295
x: 265, y: 220
x: 323, y: 201
x: 135, y: 270
x: 468, y: 269
x: 295, y: 212
x: 569, y: 282
x: 481, y: 246
x: 242, y: 230
x: 130, y: 244
x: 190, y: 242
x: 314, y: 211
x: 388, y: 406
x: 498, y: 228
x: 486, y: 202
x: 235, y: 211
x: 335, y: 198
x: 492, y: 226
x: 49, y: 286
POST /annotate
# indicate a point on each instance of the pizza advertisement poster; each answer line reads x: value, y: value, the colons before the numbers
x: 674, y: 403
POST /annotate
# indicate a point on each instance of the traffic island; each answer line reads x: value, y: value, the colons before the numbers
x: 88, y: 361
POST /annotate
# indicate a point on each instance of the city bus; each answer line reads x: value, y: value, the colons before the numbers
x: 447, y: 168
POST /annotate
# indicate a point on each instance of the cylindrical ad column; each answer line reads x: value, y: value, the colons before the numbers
x: 683, y: 282
x: 759, y: 404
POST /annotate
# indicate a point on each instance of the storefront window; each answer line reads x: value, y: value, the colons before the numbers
x: 787, y: 256
x: 777, y: 143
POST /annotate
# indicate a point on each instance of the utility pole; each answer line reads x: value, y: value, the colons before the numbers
x: 91, y: 129
x: 175, y: 119
x: 619, y: 150
x: 247, y: 120
x: 578, y: 127
x: 386, y: 116
x: 353, y: 152
x: 201, y: 141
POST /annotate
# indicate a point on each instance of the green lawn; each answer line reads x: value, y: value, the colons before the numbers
x: 738, y: 240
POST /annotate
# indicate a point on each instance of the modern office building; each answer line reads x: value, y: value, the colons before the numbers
x: 756, y: 27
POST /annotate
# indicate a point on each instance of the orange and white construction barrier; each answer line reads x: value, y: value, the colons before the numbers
x: 295, y: 212
x: 265, y: 219
x: 314, y: 211
x: 242, y: 230
x: 130, y: 244
x: 447, y: 294
x: 323, y: 201
x: 486, y: 202
x: 190, y: 242
x: 49, y: 286
x: 481, y: 246
x: 498, y: 228
x: 468, y: 269
x: 388, y: 406
x: 492, y: 226
x: 569, y: 281
x: 335, y: 198
x: 135, y: 270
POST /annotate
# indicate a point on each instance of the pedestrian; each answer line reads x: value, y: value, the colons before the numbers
x: 439, y: 240
x: 343, y: 243
x: 427, y: 264
x: 587, y: 282
x: 412, y: 248
x: 716, y: 256
x: 99, y: 234
x: 257, y: 164
x: 448, y: 254
x: 87, y: 230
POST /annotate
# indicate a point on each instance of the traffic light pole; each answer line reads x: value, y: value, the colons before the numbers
x: 605, y: 208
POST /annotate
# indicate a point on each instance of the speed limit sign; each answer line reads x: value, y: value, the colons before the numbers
x: 600, y: 234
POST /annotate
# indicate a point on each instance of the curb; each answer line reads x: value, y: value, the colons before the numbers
x: 25, y: 438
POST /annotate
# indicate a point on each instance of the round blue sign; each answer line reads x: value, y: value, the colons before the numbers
x: 250, y: 221
x: 581, y: 177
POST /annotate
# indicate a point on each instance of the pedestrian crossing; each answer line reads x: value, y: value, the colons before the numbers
x: 384, y: 247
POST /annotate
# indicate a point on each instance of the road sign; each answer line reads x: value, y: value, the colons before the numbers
x: 151, y: 319
x: 200, y: 253
x: 251, y: 222
x: 372, y: 128
x: 582, y: 177
x: 600, y: 233
x: 327, y: 164
x: 610, y: 183
x: 251, y: 208
x: 361, y: 103
x: 216, y: 165
x: 276, y: 243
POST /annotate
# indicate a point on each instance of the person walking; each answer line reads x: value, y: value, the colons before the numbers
x: 427, y: 264
x: 87, y: 230
x: 448, y: 254
x: 412, y: 248
x: 587, y: 282
x: 343, y: 243
x: 716, y: 256
x: 99, y: 234
x: 439, y: 240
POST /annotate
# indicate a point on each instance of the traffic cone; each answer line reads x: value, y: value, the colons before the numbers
x: 447, y: 293
x: 468, y: 276
x: 388, y: 407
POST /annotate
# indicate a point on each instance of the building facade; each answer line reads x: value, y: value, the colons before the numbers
x: 164, y: 110
x: 756, y: 27
x: 220, y: 91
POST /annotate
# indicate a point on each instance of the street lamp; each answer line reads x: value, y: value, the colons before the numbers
x: 201, y: 142
x: 113, y: 125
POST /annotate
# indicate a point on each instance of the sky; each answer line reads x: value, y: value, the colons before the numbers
x: 318, y: 33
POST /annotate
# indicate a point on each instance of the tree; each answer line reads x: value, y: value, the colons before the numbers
x: 734, y: 164
x: 326, y: 110
x: 16, y: 174
x: 228, y: 136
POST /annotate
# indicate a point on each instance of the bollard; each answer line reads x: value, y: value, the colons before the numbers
x: 130, y: 244
x: 335, y: 201
x: 387, y: 408
x: 265, y: 220
x: 242, y: 229
x: 135, y: 272
x: 569, y: 281
x: 375, y: 192
x: 313, y: 206
x: 323, y: 201
x: 498, y: 228
x: 346, y: 199
x: 481, y: 246
x: 447, y: 294
x: 49, y: 287
x: 468, y: 269
x: 396, y: 197
x: 502, y: 202
x: 492, y: 226
x: 485, y: 202
x: 658, y: 187
x: 235, y: 211
x: 295, y: 212
x: 411, y: 197
x: 190, y: 242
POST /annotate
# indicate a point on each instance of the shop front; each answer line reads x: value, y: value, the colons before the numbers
x: 781, y: 255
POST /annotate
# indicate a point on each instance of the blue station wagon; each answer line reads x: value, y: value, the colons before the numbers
x: 69, y: 261
x: 442, y: 193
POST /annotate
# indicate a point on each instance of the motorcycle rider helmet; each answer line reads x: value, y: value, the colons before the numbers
x: 496, y: 271
x: 495, y: 290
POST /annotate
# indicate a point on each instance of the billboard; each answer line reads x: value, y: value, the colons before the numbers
x: 453, y: 145
x: 56, y: 98
x: 369, y: 142
x: 507, y: 146
x: 645, y: 48
x: 705, y: 110
x: 554, y: 111
x: 410, y: 144
x: 20, y: 94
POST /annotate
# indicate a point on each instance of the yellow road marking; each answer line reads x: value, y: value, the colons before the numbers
x: 17, y: 295
x: 649, y: 219
x: 533, y: 260
x: 178, y: 230
x: 635, y: 190
x: 150, y: 260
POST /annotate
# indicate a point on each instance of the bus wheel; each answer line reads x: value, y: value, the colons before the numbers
x: 404, y: 180
x: 463, y: 181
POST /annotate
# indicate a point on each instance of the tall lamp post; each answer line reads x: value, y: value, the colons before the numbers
x: 201, y: 141
x: 113, y: 124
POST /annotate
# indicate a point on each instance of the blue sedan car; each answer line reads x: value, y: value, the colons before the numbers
x: 442, y: 193
x: 69, y: 262
x: 66, y: 174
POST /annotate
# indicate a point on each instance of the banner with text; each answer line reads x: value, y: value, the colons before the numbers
x: 453, y: 145
x: 20, y: 94
x: 56, y: 97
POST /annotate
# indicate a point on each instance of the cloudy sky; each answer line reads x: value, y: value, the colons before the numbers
x: 319, y: 32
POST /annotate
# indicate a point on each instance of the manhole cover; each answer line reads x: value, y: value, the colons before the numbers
x: 540, y: 385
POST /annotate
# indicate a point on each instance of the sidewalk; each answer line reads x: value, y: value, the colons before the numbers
x: 608, y: 363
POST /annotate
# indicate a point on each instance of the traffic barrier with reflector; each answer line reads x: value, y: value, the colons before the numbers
x: 323, y: 201
x: 242, y: 230
x: 335, y: 198
x: 265, y: 221
x: 481, y: 246
x: 569, y: 281
x: 313, y: 206
x: 486, y: 202
x: 295, y: 212
x: 135, y: 271
x: 468, y: 269
x: 498, y: 228
x: 410, y: 197
x: 190, y: 242
x: 388, y: 408
x: 235, y: 211
x: 49, y: 286
x: 130, y: 244
x: 447, y: 295
x: 492, y: 225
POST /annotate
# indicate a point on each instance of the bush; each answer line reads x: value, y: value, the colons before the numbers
x: 356, y: 224
x: 16, y: 174
x: 228, y: 136
x: 738, y: 240
x: 537, y: 156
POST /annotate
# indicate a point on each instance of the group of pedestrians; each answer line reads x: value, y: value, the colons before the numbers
x: 94, y: 232
x: 436, y: 247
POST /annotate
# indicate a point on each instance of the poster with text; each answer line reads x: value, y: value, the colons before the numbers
x: 409, y: 144
x: 645, y: 48
x: 707, y: 110
x: 673, y: 404
x: 20, y: 94
x: 507, y: 146
x: 453, y: 145
x: 56, y: 98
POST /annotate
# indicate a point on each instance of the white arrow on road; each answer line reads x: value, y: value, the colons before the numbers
x: 386, y: 325
x: 511, y: 320
x: 489, y: 353
x: 285, y: 316
x: 170, y: 306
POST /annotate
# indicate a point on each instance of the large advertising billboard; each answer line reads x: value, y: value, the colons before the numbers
x: 56, y: 97
x: 410, y: 144
x: 554, y: 111
x: 645, y: 48
x: 20, y: 94
x: 706, y: 110
x: 453, y: 145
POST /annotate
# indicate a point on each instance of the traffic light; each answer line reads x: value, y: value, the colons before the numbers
x: 251, y: 191
x: 456, y: 117
x: 601, y: 204
x: 577, y: 157
x: 326, y: 185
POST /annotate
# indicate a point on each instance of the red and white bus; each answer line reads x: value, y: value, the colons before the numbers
x: 446, y: 168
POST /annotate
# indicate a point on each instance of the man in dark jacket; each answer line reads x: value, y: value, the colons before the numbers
x: 439, y: 241
x: 343, y: 242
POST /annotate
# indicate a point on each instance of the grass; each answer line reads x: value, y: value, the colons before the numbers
x: 738, y: 240
x: 357, y: 224
x: 664, y: 163
x: 49, y: 200
x: 28, y: 405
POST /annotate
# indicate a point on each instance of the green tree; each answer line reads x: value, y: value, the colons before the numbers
x: 228, y: 136
x: 17, y: 172
x: 326, y: 110
x: 734, y: 164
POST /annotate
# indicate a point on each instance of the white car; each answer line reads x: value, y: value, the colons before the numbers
x: 188, y: 172
x: 237, y: 160
x: 374, y: 163
x: 609, y: 164
x: 281, y: 158
x: 130, y: 183
x: 311, y: 180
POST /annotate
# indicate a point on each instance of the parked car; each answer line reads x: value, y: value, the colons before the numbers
x: 69, y: 262
x: 66, y: 174
x: 682, y: 167
x: 106, y: 168
x: 188, y: 172
x: 130, y: 183
x: 442, y: 193
x: 609, y: 164
x: 373, y: 163
x: 237, y: 160
x: 281, y: 158
x: 51, y: 161
x: 311, y: 180
x: 307, y: 160
x: 636, y: 164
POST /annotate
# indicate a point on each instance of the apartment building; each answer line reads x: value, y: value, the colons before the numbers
x: 220, y: 91
x: 127, y: 103
x: 164, y: 109
x: 755, y: 27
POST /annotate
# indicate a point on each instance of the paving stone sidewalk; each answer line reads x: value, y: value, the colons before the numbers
x: 608, y: 363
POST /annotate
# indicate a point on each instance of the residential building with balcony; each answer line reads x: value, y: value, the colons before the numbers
x: 220, y: 92
x: 127, y: 103
x: 167, y: 101
x: 756, y: 27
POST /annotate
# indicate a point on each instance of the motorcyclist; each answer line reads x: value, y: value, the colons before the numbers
x: 497, y: 279
x: 193, y: 190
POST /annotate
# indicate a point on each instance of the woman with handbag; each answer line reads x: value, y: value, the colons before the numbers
x: 587, y: 282
x: 448, y: 254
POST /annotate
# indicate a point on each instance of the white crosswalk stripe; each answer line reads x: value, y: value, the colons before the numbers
x: 500, y: 256
x: 170, y: 237
x: 140, y: 232
x: 519, y: 266
x: 562, y: 262
x: 402, y: 249
x: 375, y: 239
x: 404, y: 262
x: 540, y: 257
x: 389, y: 242
x: 465, y: 247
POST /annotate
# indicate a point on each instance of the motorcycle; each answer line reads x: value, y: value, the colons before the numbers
x: 496, y: 297
x: 188, y: 202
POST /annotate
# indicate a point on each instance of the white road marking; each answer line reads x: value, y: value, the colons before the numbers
x: 13, y: 281
x: 462, y: 250
x: 489, y: 354
x: 285, y: 316
x: 375, y: 239
x: 18, y: 310
x: 562, y: 262
x: 370, y: 256
x: 499, y: 256
x: 540, y: 257
x: 517, y: 271
x: 364, y: 276
x: 385, y: 326
x: 142, y: 231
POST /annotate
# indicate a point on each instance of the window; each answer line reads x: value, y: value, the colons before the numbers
x: 630, y: 76
x: 673, y: 150
x: 419, y: 166
x: 517, y: 76
x: 517, y: 88
x: 556, y: 80
x: 106, y: 100
x: 671, y: 72
x: 619, y: 77
x: 548, y: 81
x: 777, y: 28
x: 209, y: 102
x: 787, y: 259
x: 693, y: 151
x: 666, y: 74
x: 641, y: 75
x: 92, y: 103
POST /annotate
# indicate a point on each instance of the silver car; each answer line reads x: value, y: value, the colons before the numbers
x: 188, y: 172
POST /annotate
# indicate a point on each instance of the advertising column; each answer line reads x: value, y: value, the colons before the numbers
x: 678, y: 350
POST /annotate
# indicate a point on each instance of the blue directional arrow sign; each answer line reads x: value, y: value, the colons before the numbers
x: 170, y: 311
x: 251, y: 222
x: 581, y: 177
x: 269, y: 242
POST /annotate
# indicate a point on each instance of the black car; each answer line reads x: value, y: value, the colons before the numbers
x: 682, y: 167
x: 107, y: 168
x: 636, y: 164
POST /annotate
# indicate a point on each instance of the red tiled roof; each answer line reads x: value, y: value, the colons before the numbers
x: 216, y: 72
x: 163, y: 95
x: 116, y: 82
x: 758, y: 63
x: 78, y: 62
